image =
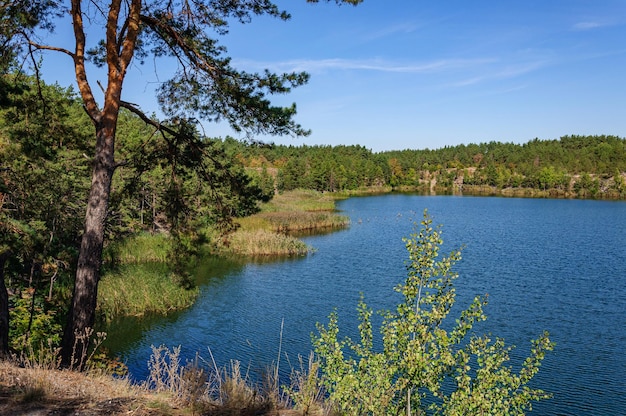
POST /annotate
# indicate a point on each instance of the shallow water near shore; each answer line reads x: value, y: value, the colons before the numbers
x: 558, y: 265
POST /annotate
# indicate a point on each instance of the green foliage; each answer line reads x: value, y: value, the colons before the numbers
x: 19, y: 18
x: 179, y: 182
x: 33, y: 324
x: 586, y: 186
x: 264, y: 182
x: 42, y: 170
x: 421, y: 365
x: 43, y: 183
x: 320, y: 168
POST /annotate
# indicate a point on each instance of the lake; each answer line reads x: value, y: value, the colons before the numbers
x: 558, y: 265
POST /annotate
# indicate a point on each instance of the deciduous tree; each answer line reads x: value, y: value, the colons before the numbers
x: 421, y: 362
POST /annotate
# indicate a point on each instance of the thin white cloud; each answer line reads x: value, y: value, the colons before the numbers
x: 469, y: 81
x: 590, y: 25
x: 498, y: 73
x: 457, y: 72
x: 322, y: 65
x: 402, y: 28
x: 521, y: 69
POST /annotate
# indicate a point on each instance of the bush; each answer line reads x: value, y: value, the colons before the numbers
x: 422, y: 366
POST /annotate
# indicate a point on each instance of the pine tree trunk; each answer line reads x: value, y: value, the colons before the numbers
x: 81, y: 316
x: 119, y: 53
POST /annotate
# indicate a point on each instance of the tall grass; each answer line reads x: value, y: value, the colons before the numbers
x: 228, y: 390
x: 264, y: 243
x: 140, y: 289
x: 291, y: 221
x: 205, y: 387
x: 266, y: 233
x: 140, y: 248
x: 301, y: 200
x: 306, y: 391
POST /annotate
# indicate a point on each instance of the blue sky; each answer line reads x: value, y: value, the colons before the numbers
x: 398, y: 74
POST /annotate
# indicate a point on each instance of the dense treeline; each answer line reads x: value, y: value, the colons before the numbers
x: 573, y: 166
x: 322, y: 168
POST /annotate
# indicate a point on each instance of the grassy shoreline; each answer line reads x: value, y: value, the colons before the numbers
x: 267, y: 233
x: 132, y: 289
x: 137, y: 281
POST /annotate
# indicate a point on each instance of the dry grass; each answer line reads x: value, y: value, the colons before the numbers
x: 44, y: 391
x: 207, y: 389
x: 173, y: 388
x: 34, y: 384
x: 306, y: 391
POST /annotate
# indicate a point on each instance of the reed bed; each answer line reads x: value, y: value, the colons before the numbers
x: 301, y: 200
x: 363, y: 191
x: 291, y: 221
x: 263, y: 243
x: 267, y: 233
x: 140, y: 248
x: 137, y: 290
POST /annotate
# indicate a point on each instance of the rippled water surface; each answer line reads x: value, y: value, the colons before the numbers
x: 548, y: 264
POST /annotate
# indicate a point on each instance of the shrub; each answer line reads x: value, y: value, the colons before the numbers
x: 422, y: 366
